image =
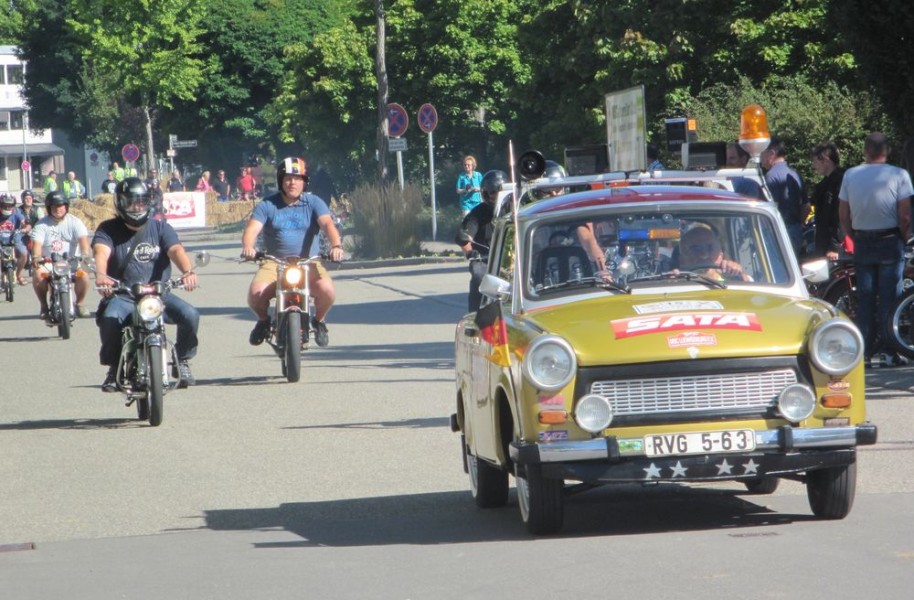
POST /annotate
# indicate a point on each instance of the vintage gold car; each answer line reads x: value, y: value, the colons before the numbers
x: 655, y: 333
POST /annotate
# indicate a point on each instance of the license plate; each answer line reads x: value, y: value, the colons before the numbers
x: 705, y: 442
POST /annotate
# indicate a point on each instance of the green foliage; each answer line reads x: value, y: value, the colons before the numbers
x: 386, y: 220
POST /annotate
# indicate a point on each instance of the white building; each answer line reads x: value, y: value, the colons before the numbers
x: 18, y: 144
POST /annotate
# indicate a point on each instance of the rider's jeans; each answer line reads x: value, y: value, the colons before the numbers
x: 879, y: 265
x: 477, y: 271
x: 117, y: 311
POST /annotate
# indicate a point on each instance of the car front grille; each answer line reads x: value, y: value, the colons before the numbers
x: 723, y: 392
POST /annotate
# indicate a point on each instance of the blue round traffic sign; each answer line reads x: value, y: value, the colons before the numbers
x: 427, y: 118
x: 130, y: 152
x: 397, y: 120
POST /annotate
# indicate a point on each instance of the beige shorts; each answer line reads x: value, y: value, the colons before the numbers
x: 268, y: 271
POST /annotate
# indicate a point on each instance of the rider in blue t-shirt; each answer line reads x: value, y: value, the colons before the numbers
x: 290, y: 221
x: 136, y: 248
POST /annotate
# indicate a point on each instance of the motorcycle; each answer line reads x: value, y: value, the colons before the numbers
x: 148, y: 365
x: 289, y: 336
x: 324, y: 240
x: 899, y: 327
x: 8, y: 263
x: 62, y: 273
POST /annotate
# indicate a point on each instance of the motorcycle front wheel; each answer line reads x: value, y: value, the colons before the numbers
x: 10, y: 284
x: 843, y: 295
x: 899, y: 327
x: 155, y: 390
x: 63, y: 326
x: 293, y: 347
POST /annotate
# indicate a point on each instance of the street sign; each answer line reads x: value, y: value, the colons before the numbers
x: 172, y: 139
x: 130, y: 152
x: 185, y: 144
x: 26, y: 165
x: 397, y: 120
x: 427, y: 118
x: 171, y: 153
x: 396, y: 144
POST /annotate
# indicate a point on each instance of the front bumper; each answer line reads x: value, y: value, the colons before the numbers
x: 779, y: 451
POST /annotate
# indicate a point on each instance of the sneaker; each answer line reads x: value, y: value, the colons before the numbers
x: 82, y: 311
x: 321, y: 336
x: 260, y: 332
x: 110, y: 383
x: 187, y: 378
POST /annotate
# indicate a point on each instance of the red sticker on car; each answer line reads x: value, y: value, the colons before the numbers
x: 633, y: 326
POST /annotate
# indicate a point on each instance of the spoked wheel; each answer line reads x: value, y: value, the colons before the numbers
x: 293, y: 347
x: 488, y: 484
x: 63, y: 326
x: 831, y: 491
x: 155, y: 391
x: 542, y: 505
x: 844, y: 296
x: 900, y: 325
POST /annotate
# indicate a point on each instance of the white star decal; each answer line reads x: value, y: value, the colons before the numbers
x: 652, y: 471
x: 724, y: 468
x: 751, y: 467
x: 679, y: 470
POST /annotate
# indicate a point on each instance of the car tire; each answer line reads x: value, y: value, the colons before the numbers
x: 540, y: 500
x: 488, y: 484
x: 831, y: 491
x: 762, y: 485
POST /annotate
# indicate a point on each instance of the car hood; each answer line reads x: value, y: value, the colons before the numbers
x: 624, y: 329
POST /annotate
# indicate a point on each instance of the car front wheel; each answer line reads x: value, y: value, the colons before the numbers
x: 540, y: 500
x: 831, y: 491
x: 488, y: 484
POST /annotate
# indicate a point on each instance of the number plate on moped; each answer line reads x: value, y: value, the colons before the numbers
x: 704, y: 442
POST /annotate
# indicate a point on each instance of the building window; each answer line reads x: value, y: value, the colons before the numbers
x: 4, y: 120
x: 14, y: 75
x: 16, y: 120
x: 2, y: 168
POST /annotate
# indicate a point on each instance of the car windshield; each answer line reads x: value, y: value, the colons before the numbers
x: 621, y: 252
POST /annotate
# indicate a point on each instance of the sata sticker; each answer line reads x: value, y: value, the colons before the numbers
x: 689, y: 339
x: 553, y: 436
x: 673, y: 305
x: 624, y: 328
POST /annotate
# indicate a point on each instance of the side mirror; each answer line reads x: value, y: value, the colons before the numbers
x: 494, y: 287
x: 815, y: 271
x: 201, y: 258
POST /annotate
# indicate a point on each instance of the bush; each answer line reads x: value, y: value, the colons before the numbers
x: 386, y: 220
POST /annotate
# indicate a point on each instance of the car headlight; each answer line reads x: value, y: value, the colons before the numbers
x: 293, y: 276
x: 549, y: 363
x: 150, y: 307
x: 796, y: 402
x: 593, y: 413
x: 836, y: 347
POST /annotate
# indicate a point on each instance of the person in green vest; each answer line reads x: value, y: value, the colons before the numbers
x: 118, y: 171
x: 73, y: 189
x: 50, y: 182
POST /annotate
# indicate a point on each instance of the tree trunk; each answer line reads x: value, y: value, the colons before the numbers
x: 150, y: 151
x: 381, y: 75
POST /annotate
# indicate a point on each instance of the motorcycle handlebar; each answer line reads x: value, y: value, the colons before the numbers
x: 262, y: 256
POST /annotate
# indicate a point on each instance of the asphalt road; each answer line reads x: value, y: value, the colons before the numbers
x: 349, y: 483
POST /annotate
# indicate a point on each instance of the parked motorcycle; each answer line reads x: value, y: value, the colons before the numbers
x: 148, y: 366
x: 899, y: 327
x: 289, y: 335
x: 62, y: 272
x: 8, y: 263
x: 324, y: 240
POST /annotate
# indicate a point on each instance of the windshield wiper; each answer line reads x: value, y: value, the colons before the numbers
x: 686, y: 275
x: 592, y: 281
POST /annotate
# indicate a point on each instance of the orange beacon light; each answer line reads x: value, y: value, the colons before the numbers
x: 753, y: 131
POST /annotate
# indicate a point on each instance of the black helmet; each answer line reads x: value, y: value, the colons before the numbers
x: 553, y: 173
x: 26, y: 193
x: 291, y: 166
x: 128, y: 193
x: 56, y: 198
x: 491, y: 185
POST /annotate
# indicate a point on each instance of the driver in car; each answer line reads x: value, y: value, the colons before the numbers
x: 700, y: 251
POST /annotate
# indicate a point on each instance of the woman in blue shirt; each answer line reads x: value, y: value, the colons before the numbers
x: 468, y: 185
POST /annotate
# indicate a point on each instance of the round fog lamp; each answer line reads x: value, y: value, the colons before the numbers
x: 796, y: 402
x: 593, y: 413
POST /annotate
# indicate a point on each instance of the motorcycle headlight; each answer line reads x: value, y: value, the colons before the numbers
x: 836, y: 347
x: 60, y: 268
x: 293, y: 276
x: 150, y: 307
x: 549, y: 363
